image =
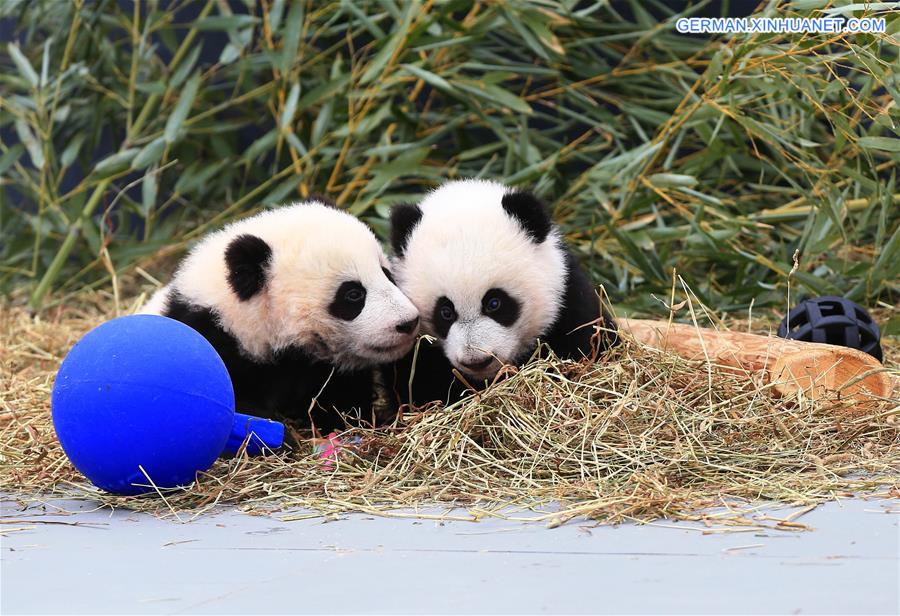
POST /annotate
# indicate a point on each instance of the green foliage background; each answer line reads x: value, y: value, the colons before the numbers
x: 717, y: 156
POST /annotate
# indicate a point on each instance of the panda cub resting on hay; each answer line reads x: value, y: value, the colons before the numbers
x: 490, y: 275
x: 299, y: 303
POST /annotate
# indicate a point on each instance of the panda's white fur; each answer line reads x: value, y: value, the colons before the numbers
x: 465, y: 244
x: 314, y: 248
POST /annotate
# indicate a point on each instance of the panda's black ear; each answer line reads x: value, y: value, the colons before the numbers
x: 404, y: 218
x: 530, y: 213
x: 247, y: 258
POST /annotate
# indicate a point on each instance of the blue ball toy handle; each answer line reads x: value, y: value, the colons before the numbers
x: 259, y: 434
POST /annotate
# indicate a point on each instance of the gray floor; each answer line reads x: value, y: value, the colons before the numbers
x: 235, y: 563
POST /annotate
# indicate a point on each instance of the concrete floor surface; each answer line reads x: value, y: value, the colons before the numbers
x: 230, y: 562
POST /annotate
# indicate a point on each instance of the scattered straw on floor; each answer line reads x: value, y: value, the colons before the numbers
x: 643, y: 436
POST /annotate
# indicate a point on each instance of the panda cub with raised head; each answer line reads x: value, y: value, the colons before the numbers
x: 299, y: 303
x: 490, y: 275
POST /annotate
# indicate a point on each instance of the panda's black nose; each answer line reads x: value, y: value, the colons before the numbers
x: 478, y: 365
x: 408, y: 326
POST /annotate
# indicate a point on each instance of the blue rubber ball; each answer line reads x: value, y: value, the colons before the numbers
x: 142, y: 391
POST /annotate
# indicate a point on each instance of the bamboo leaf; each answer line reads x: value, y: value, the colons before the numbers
x: 430, y: 78
x: 226, y: 22
x: 281, y: 191
x: 182, y: 108
x: 868, y: 8
x: 115, y: 162
x: 45, y: 62
x: 646, y: 262
x: 10, y: 157
x: 185, y: 68
x: 149, y: 154
x: 292, y: 27
x: 321, y: 123
x: 261, y: 145
x: 295, y: 142
x: 195, y: 176
x: 149, y: 190
x: 495, y: 95
x: 72, y: 149
x: 276, y: 12
x: 31, y: 144
x: 666, y: 180
x: 22, y: 63
x: 323, y: 91
x: 888, y: 144
x: 290, y: 107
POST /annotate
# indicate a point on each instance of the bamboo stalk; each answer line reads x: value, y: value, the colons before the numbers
x: 63, y: 253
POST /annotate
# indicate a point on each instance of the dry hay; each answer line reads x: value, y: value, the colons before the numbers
x: 642, y: 436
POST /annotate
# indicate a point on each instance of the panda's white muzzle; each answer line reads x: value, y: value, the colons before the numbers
x: 478, y: 347
x: 390, y: 325
x: 407, y: 331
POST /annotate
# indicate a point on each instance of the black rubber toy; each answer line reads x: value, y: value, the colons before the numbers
x: 833, y: 320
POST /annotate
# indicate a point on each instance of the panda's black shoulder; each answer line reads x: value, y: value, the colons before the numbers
x: 202, y: 319
x: 572, y: 334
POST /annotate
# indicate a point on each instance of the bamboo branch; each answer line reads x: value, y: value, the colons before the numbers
x: 63, y: 253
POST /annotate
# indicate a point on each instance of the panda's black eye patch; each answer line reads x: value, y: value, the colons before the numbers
x: 444, y: 316
x: 387, y: 273
x: 349, y: 301
x: 500, y: 306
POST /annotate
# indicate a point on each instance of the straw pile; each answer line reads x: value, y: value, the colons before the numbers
x: 641, y: 436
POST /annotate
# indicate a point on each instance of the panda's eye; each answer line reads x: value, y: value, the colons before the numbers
x: 355, y: 295
x: 500, y: 306
x: 349, y: 300
x: 443, y: 316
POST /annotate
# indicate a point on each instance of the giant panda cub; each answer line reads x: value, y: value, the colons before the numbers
x: 299, y: 303
x: 490, y: 275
